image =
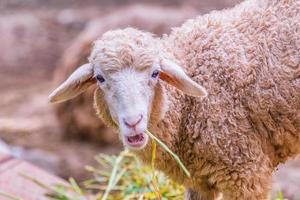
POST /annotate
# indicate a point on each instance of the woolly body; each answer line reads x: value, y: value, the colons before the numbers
x: 247, y: 58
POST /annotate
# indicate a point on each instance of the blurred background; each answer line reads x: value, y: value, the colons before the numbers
x: 42, y: 42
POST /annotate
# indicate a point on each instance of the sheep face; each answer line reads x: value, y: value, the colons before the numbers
x: 128, y: 94
x: 128, y: 66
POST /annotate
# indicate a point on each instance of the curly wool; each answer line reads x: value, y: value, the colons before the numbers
x: 248, y: 59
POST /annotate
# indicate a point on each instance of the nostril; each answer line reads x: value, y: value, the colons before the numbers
x: 133, y: 121
x: 140, y: 119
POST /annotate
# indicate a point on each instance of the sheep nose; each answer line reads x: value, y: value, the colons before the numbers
x: 131, y: 122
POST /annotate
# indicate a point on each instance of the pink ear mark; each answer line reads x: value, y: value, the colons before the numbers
x: 169, y: 79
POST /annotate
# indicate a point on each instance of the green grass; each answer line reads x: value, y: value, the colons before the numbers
x: 119, y: 177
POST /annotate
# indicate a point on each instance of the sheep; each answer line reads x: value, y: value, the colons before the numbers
x: 76, y: 117
x: 222, y: 91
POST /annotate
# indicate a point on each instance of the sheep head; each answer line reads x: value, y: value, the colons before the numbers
x: 128, y: 67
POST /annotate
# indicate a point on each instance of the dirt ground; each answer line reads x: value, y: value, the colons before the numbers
x: 27, y: 121
x: 34, y: 40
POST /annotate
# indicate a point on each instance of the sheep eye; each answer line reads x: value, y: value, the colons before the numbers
x: 155, y: 74
x: 100, y: 78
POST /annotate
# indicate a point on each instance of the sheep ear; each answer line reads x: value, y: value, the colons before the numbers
x: 78, y: 82
x: 174, y: 75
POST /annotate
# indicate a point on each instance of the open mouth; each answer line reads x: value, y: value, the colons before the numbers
x: 136, y: 141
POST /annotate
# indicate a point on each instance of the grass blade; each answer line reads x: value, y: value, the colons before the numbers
x: 165, y: 147
x: 9, y: 196
x: 154, y: 177
x: 112, y: 178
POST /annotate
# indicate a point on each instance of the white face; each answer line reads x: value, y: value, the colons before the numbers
x: 129, y: 93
